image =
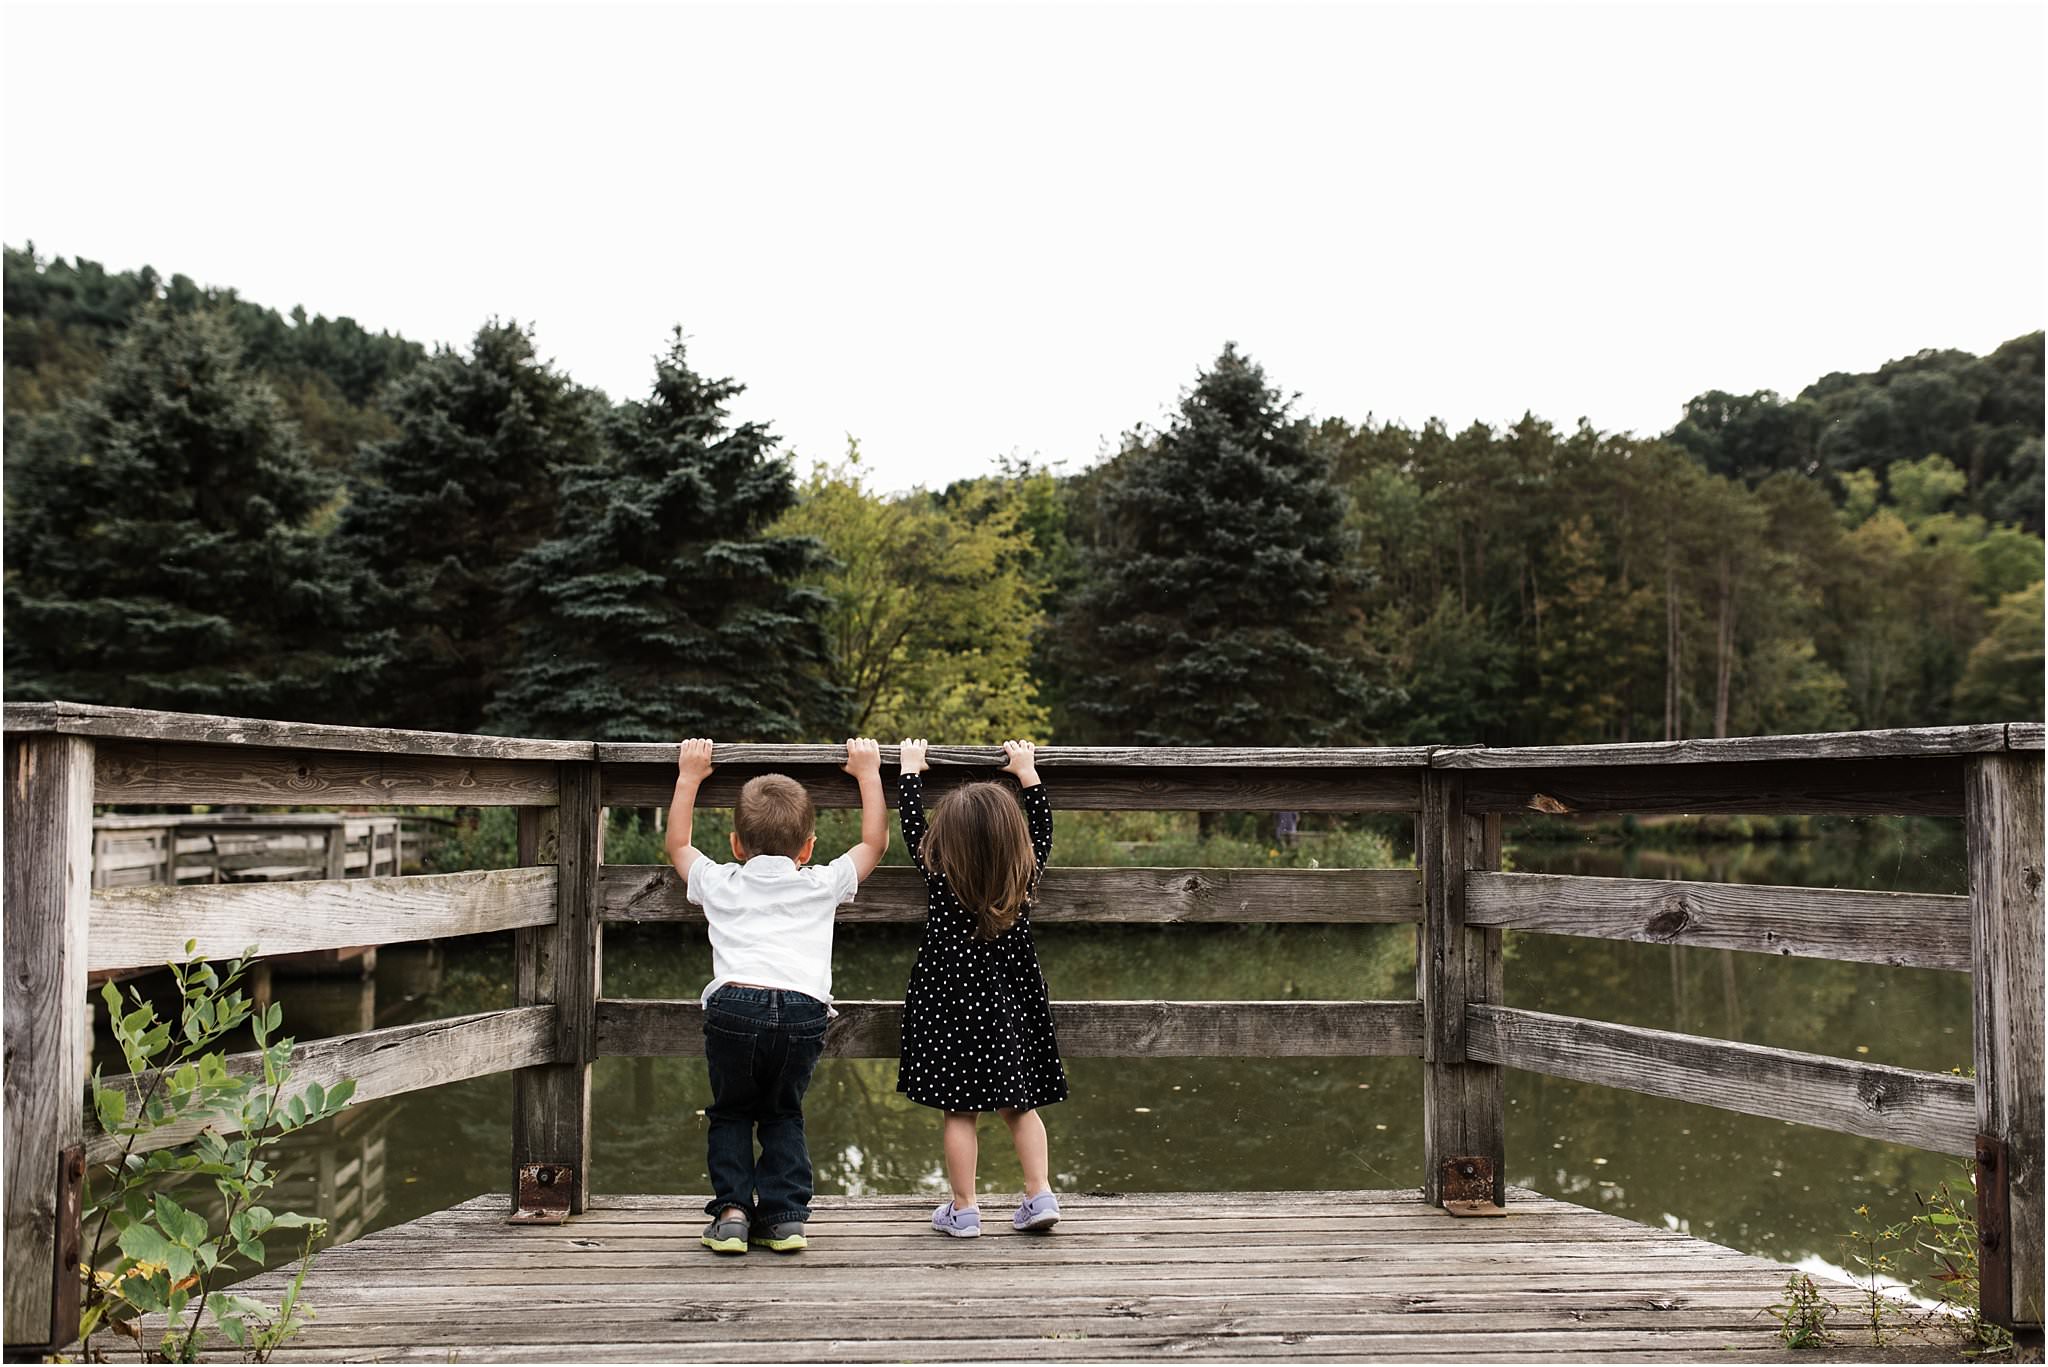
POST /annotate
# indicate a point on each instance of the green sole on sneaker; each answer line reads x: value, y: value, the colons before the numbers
x: 723, y: 1245
x: 792, y: 1243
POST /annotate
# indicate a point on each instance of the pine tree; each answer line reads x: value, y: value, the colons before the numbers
x: 661, y: 607
x: 161, y: 546
x: 466, y: 487
x: 1219, y: 606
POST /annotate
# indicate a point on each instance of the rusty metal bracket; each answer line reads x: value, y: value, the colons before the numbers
x: 1467, y: 1187
x: 1994, y: 1258
x: 543, y: 1194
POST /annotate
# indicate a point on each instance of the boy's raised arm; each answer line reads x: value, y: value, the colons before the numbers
x: 864, y: 762
x: 693, y: 766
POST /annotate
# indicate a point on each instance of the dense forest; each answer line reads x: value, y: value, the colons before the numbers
x: 211, y: 506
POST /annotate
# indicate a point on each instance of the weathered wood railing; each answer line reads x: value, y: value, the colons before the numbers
x: 63, y: 758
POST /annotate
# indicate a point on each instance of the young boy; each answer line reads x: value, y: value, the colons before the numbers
x: 770, y: 993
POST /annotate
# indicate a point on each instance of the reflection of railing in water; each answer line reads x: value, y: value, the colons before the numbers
x: 336, y: 1172
x: 63, y: 757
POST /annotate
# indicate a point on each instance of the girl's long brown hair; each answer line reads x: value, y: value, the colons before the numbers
x: 980, y: 844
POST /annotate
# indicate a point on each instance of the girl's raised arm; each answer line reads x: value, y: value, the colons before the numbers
x: 1020, y: 757
x: 910, y: 798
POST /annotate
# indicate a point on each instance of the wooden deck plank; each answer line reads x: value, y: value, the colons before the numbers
x: 1340, y: 1275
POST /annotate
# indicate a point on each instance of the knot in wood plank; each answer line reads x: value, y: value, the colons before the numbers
x: 1679, y: 914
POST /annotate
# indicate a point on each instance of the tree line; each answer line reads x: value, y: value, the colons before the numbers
x: 213, y: 507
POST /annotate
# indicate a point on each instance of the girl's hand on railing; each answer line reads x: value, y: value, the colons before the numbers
x: 1020, y: 757
x: 911, y: 756
x: 693, y: 761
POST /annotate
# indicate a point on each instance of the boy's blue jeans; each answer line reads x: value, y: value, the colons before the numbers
x: 761, y: 1045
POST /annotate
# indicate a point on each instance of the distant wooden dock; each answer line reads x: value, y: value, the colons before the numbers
x: 1352, y: 1276
x: 1346, y: 1275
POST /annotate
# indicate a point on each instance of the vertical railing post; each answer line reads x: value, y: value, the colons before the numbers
x: 48, y: 891
x: 1462, y: 1102
x: 2002, y: 812
x: 558, y: 965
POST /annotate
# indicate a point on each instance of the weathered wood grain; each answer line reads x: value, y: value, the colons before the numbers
x: 1903, y: 929
x: 1935, y: 1111
x: 2025, y: 735
x: 137, y: 772
x: 652, y: 892
x: 49, y: 844
x: 562, y: 967
x: 1552, y: 1283
x: 1918, y: 741
x: 989, y: 758
x: 2004, y: 833
x: 136, y: 927
x: 1087, y: 1029
x: 140, y: 724
x: 404, y: 1058
x: 1904, y: 787
x: 1463, y: 1099
x: 1076, y: 788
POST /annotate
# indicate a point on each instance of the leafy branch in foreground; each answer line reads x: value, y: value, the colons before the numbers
x: 188, y: 1117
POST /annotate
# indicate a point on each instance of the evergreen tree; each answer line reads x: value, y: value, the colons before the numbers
x: 64, y: 317
x: 1220, y: 610
x: 466, y: 487
x: 160, y: 540
x: 660, y: 607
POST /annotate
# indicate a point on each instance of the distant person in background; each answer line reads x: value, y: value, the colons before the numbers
x: 977, y: 1023
x: 765, y: 1009
x: 1285, y: 828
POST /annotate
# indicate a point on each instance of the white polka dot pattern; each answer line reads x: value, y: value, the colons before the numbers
x: 977, y: 1024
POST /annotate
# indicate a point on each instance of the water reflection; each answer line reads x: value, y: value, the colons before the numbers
x: 1779, y: 1190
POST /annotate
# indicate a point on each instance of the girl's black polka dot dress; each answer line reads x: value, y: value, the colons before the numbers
x: 977, y: 1027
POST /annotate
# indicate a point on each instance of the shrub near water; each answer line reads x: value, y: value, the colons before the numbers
x: 171, y: 1255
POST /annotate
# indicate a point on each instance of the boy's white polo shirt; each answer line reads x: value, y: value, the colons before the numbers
x: 771, y: 922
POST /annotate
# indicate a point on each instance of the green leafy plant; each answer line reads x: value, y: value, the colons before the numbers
x: 1945, y: 1230
x: 1802, y: 1314
x: 1870, y: 1248
x: 189, y: 1122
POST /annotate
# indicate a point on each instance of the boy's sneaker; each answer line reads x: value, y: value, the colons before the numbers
x: 726, y: 1234
x: 1040, y: 1212
x: 961, y: 1224
x: 786, y: 1237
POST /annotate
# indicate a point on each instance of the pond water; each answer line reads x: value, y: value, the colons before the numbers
x: 1783, y: 1191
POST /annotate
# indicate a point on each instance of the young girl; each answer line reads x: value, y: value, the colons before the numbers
x: 977, y: 1029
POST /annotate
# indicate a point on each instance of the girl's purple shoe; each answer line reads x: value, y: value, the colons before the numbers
x: 961, y: 1224
x: 1040, y: 1212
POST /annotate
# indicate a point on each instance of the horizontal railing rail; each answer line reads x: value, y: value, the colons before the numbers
x: 63, y: 758
x: 1087, y: 1029
x: 1902, y: 929
x: 1921, y: 1110
x: 644, y: 893
x: 137, y: 927
x: 384, y: 1063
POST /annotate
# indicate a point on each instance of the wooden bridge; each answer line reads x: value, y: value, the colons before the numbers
x: 1348, y: 1275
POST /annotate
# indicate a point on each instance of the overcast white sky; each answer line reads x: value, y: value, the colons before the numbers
x: 960, y: 232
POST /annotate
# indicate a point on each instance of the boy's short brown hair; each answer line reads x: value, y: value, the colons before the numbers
x: 773, y: 816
